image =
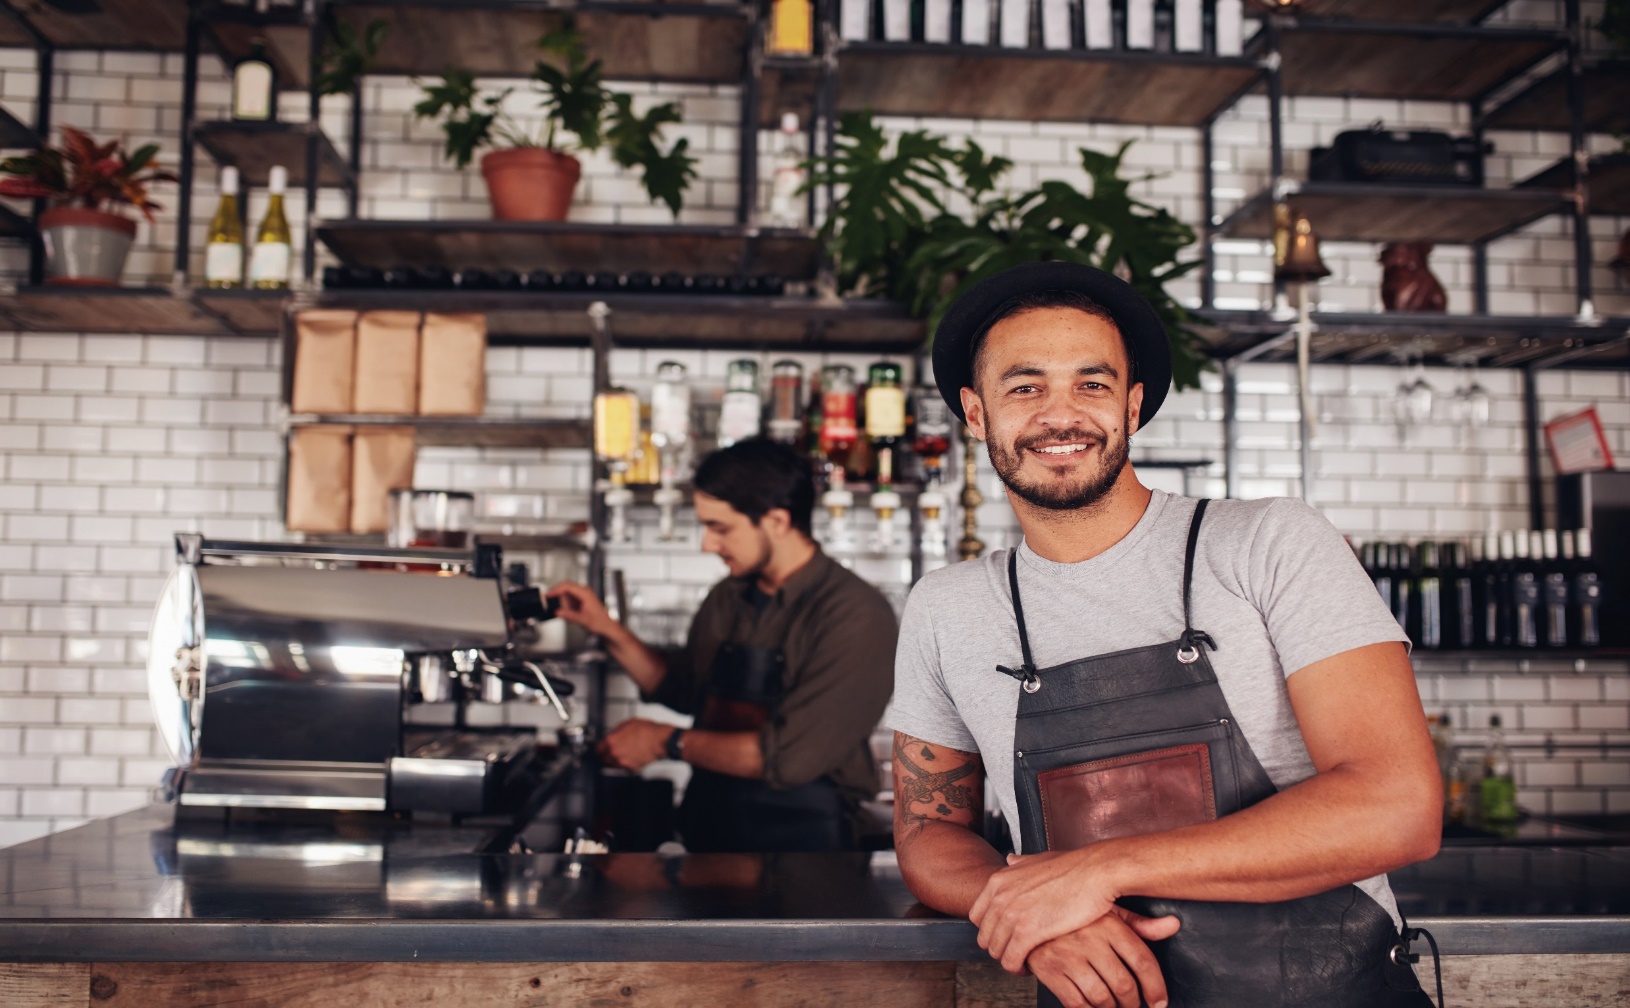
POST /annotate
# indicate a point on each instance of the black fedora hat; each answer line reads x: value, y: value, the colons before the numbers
x: 971, y: 314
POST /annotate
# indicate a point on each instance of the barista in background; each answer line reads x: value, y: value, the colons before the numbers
x: 787, y: 668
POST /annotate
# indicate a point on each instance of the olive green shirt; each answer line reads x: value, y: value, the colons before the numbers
x: 838, y: 635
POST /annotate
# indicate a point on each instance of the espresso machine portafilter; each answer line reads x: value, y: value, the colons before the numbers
x: 288, y: 676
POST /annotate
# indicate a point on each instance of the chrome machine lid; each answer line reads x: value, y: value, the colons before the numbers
x: 175, y: 663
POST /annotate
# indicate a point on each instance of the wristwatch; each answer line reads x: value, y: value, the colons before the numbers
x: 674, y: 748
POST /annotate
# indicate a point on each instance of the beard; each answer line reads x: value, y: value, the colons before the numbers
x: 1054, y: 496
x: 753, y: 566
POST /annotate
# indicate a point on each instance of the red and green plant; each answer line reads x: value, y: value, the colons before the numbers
x: 83, y: 173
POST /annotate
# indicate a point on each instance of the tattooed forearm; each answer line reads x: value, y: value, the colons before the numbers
x: 935, y: 783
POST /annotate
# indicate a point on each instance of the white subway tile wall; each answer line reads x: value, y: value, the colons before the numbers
x: 109, y: 444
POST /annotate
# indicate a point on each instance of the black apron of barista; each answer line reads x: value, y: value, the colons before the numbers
x: 722, y: 813
x: 1330, y: 950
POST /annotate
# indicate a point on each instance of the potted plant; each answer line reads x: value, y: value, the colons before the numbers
x: 892, y: 231
x: 84, y: 242
x: 532, y: 177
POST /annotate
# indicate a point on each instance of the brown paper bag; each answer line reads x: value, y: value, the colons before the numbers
x: 324, y: 358
x: 453, y: 365
x: 319, y: 479
x: 387, y: 363
x: 381, y: 461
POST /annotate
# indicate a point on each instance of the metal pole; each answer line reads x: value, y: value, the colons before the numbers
x: 42, y: 127
x: 1230, y: 391
x: 354, y: 196
x: 319, y: 28
x: 1480, y: 250
x: 1273, y: 62
x: 189, y: 113
x: 747, y: 143
x: 1531, y: 440
x: 1208, y: 215
x: 1304, y: 386
x: 1581, y: 162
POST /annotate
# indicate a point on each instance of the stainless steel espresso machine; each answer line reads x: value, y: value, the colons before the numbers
x: 288, y: 676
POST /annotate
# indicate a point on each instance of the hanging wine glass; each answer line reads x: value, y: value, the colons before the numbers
x: 1419, y: 394
x: 1477, y: 403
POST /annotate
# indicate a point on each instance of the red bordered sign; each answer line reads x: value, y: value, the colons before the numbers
x: 1577, y: 443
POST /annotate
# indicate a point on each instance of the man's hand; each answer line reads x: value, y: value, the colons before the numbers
x: 633, y: 744
x: 1037, y: 898
x: 1106, y: 964
x: 579, y: 604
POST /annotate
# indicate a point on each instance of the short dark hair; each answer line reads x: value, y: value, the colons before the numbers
x: 1033, y: 300
x: 758, y: 475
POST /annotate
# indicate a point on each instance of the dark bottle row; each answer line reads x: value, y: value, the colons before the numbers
x: 570, y: 281
x: 1514, y: 590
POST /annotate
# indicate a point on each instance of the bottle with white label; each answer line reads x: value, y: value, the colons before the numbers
x: 741, y: 409
x: 976, y: 22
x: 1230, y: 23
x: 223, y: 255
x: 787, y: 177
x: 269, y: 261
x: 1140, y: 24
x: 1099, y: 24
x: 254, y: 86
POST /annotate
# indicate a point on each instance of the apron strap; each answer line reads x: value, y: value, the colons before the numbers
x: 1027, y: 673
x: 1193, y: 638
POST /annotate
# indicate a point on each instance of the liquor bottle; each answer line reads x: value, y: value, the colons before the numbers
x: 1460, y: 609
x: 616, y: 442
x: 885, y: 413
x: 1164, y: 18
x: 1403, y: 587
x: 1486, y: 584
x: 1553, y: 594
x: 1099, y: 23
x: 786, y: 406
x: 269, y: 262
x: 814, y: 421
x: 1140, y: 24
x: 976, y: 22
x: 1429, y: 608
x: 741, y: 409
x: 932, y: 430
x: 838, y: 429
x: 223, y: 255
x: 670, y: 433
x: 787, y: 178
x: 1230, y: 28
x: 1502, y: 573
x: 1585, y: 595
x: 1188, y: 29
x: 1381, y: 573
x: 792, y: 28
x: 1525, y: 595
x: 254, y: 86
x: 1497, y: 791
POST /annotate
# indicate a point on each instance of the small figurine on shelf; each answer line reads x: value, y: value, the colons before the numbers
x: 1407, y: 284
x: 616, y: 442
x: 670, y: 433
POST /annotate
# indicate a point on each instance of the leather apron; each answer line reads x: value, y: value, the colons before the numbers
x: 722, y: 813
x: 1142, y: 741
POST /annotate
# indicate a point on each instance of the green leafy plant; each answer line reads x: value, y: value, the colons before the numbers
x: 892, y: 231
x: 580, y: 115
x: 347, y: 55
x: 86, y: 174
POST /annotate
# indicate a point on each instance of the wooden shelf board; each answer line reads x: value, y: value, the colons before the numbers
x: 664, y: 320
x: 1425, y: 63
x: 1464, y: 12
x: 150, y: 25
x: 983, y: 82
x: 1446, y: 215
x: 1544, y: 104
x: 107, y: 310
x: 253, y: 147
x: 287, y: 40
x: 249, y: 312
x: 1358, y: 338
x: 480, y: 432
x: 618, y: 248
x: 1609, y: 182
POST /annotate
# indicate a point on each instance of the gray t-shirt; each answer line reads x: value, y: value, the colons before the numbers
x: 1274, y: 585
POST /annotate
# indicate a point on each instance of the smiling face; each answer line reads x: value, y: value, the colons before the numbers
x: 1055, y: 405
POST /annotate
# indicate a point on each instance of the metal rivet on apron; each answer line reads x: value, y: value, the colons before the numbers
x: 1188, y: 655
x: 1032, y: 684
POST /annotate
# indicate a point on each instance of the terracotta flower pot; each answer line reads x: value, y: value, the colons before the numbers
x: 85, y: 247
x: 530, y: 183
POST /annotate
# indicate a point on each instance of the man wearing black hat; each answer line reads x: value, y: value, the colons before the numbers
x: 1198, y: 718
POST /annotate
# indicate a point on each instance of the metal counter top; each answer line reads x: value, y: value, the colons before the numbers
x: 139, y: 887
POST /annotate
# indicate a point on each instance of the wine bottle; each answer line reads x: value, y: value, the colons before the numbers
x: 1428, y: 611
x: 1585, y: 597
x: 1403, y: 587
x: 885, y: 413
x: 1554, y: 594
x: 1460, y: 609
x: 223, y: 255
x: 1486, y: 584
x: 269, y: 261
x: 254, y: 86
x: 1503, y: 576
x: 1525, y: 595
x: 1381, y: 574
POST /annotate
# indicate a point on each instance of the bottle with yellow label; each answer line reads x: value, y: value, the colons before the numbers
x: 885, y: 413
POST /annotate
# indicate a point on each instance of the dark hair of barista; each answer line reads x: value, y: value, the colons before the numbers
x: 1033, y: 300
x: 757, y: 476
